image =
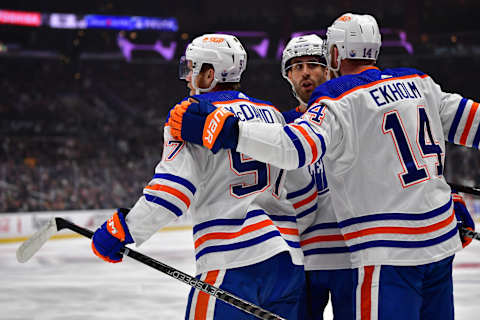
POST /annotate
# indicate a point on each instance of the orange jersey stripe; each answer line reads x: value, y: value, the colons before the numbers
x: 231, y: 235
x: 172, y: 191
x: 305, y: 201
x: 400, y: 230
x: 366, y: 295
x: 333, y: 237
x: 468, y: 125
x: 309, y: 140
x: 291, y: 231
x: 202, y: 299
x: 378, y: 230
x: 371, y: 84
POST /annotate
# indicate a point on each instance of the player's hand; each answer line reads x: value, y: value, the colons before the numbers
x: 202, y: 123
x: 464, y: 219
x: 111, y: 237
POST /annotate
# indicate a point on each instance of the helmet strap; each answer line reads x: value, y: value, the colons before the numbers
x: 294, y: 92
x: 203, y: 90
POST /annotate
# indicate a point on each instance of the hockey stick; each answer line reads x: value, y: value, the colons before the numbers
x: 470, y: 190
x: 34, y: 243
x: 469, y: 233
x: 473, y: 191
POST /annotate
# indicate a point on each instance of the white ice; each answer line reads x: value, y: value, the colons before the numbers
x: 65, y: 281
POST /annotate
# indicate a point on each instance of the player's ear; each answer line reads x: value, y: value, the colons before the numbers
x: 334, y: 56
x: 210, y: 74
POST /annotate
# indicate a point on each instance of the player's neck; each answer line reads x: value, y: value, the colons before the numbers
x: 352, y: 67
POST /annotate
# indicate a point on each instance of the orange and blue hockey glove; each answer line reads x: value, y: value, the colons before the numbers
x: 202, y: 123
x: 464, y: 219
x: 111, y: 237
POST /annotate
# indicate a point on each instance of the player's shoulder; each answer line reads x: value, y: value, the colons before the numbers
x: 337, y: 88
x: 222, y: 97
x: 402, y: 72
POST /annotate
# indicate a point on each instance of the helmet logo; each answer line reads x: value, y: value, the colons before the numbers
x: 224, y: 73
x: 352, y: 53
x: 345, y: 18
x: 213, y: 39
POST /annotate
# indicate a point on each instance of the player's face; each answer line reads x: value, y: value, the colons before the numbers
x: 188, y: 78
x: 203, y: 80
x: 306, y: 73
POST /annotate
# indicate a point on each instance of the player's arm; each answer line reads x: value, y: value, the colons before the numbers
x: 460, y: 118
x: 165, y: 198
x: 288, y: 146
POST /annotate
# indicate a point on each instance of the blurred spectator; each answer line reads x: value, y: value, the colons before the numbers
x: 90, y: 138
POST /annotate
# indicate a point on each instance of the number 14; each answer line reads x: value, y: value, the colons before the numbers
x: 413, y: 173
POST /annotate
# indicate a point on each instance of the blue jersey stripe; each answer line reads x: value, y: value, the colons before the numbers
x: 238, y: 245
x: 397, y: 216
x: 385, y: 243
x: 322, y: 192
x: 301, y: 191
x: 184, y: 182
x: 164, y: 203
x: 476, y: 140
x: 322, y: 140
x: 297, y: 144
x: 456, y: 120
x: 308, y: 211
x: 321, y: 226
x: 227, y: 222
x: 282, y: 218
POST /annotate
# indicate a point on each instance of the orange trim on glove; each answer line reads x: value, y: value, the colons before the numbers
x: 115, y: 228
x: 213, y: 126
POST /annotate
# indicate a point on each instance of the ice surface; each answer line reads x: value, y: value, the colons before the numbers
x: 65, y: 281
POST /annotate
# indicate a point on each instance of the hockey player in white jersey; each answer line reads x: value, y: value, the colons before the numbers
x: 382, y: 137
x: 245, y: 233
x: 327, y: 260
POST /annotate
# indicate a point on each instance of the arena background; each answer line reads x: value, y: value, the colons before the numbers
x: 83, y: 101
x: 84, y: 90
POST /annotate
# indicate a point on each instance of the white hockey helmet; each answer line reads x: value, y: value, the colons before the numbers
x: 356, y: 37
x: 223, y: 51
x: 306, y: 45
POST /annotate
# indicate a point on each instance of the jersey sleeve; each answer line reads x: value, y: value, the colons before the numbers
x: 171, y: 191
x: 294, y: 145
x: 460, y: 120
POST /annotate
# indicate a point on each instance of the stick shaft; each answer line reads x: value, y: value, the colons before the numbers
x: 179, y: 275
x: 465, y: 189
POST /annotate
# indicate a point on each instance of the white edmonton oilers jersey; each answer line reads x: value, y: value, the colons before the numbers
x: 321, y: 240
x: 320, y: 237
x: 238, y: 205
x: 382, y: 137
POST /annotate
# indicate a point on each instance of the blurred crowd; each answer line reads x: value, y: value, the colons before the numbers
x: 89, y: 135
x: 74, y: 140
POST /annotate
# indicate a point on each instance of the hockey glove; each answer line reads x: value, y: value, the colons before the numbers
x: 202, y: 123
x: 111, y: 237
x: 464, y: 219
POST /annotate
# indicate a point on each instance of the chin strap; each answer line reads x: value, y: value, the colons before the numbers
x: 303, y: 103
x: 203, y: 90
